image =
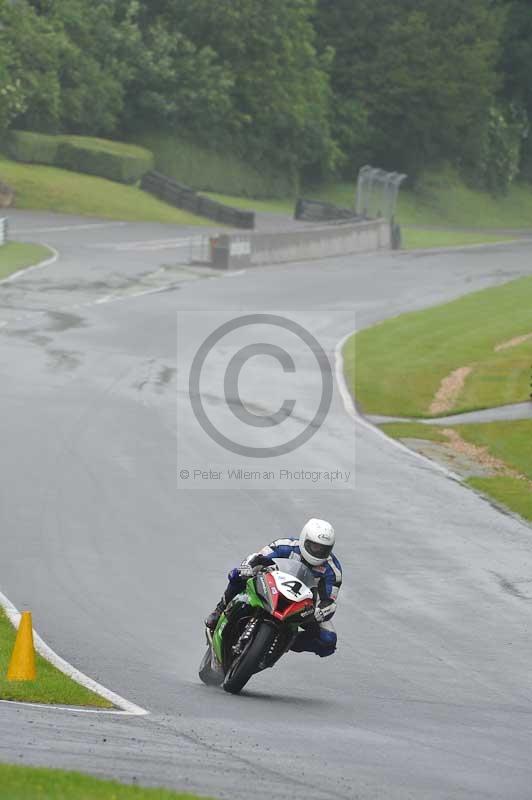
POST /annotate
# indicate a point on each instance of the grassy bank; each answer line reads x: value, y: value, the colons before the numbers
x: 443, y: 199
x: 53, y: 189
x: 15, y: 256
x: 401, y: 363
x: 417, y: 239
x: 212, y: 171
x: 509, y: 442
x: 26, y: 783
x: 51, y: 686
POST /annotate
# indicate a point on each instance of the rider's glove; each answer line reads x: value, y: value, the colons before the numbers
x: 234, y: 575
x: 245, y: 571
x: 324, y: 611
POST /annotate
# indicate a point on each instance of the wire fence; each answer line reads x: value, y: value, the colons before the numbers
x: 377, y: 193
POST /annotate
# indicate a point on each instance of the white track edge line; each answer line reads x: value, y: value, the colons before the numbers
x: 24, y: 271
x: 125, y: 707
x: 351, y: 410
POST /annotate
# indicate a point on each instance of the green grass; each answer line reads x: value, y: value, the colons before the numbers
x: 42, y: 187
x: 510, y: 492
x: 511, y: 441
x: 443, y: 199
x: 15, y: 256
x: 27, y: 783
x: 212, y: 171
x: 401, y: 362
x: 413, y: 430
x: 51, y: 686
x: 417, y: 239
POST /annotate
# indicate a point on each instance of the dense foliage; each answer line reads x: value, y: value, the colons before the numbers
x: 304, y: 86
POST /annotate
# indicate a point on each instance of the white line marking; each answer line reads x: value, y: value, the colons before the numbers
x: 116, y: 712
x: 84, y: 227
x: 350, y: 408
x: 125, y: 706
x: 234, y: 274
x: 46, y: 263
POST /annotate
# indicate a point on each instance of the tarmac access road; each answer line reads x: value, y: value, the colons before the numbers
x: 430, y: 692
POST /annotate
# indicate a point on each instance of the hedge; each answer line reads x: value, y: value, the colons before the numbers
x: 116, y: 161
x: 32, y: 148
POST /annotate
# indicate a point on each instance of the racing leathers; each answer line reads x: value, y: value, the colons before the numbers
x: 318, y: 636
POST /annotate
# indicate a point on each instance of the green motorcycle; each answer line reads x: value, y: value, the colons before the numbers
x: 259, y: 625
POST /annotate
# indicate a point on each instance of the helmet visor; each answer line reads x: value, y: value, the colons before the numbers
x: 318, y: 550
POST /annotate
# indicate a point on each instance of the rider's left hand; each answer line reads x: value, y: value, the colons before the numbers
x: 324, y: 611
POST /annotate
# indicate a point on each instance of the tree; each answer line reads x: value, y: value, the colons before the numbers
x: 424, y: 72
x: 30, y: 50
x: 516, y: 67
x: 280, y: 93
x: 176, y: 84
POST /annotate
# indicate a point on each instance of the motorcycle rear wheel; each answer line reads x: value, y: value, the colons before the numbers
x: 247, y: 664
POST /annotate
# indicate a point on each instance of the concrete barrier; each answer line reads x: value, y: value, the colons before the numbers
x: 3, y: 231
x: 235, y: 251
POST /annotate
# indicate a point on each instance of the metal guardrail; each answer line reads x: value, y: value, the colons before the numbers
x: 181, y: 196
x: 3, y: 231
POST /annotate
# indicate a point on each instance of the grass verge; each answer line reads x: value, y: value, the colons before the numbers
x: 508, y: 441
x: 416, y: 239
x: 53, y: 189
x: 51, y: 686
x: 413, y: 430
x: 27, y: 783
x: 511, y: 441
x: 401, y: 362
x: 509, y: 492
x: 442, y: 199
x: 15, y: 256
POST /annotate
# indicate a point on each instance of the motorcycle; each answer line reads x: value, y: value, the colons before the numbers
x: 259, y: 625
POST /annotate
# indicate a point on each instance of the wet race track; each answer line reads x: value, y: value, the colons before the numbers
x: 429, y: 694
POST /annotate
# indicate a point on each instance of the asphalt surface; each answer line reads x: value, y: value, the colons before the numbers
x: 430, y: 692
x: 509, y: 413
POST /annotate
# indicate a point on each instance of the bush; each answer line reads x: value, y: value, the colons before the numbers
x: 32, y: 148
x: 98, y: 157
x: 115, y: 161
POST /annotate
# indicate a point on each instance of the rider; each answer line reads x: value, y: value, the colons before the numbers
x: 314, y: 548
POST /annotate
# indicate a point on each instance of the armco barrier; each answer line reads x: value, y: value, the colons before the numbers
x: 3, y: 231
x: 234, y: 251
x: 176, y: 194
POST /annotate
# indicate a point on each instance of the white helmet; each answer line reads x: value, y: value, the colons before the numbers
x: 316, y: 541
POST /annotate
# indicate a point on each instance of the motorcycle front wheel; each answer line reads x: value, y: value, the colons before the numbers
x: 248, y: 663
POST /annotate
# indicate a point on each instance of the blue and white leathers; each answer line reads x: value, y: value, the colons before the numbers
x: 320, y: 637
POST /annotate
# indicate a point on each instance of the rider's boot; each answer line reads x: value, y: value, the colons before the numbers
x: 212, y: 620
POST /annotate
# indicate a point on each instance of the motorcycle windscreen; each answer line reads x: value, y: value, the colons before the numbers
x: 296, y: 568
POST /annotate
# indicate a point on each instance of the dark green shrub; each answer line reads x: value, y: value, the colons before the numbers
x: 116, y: 161
x: 103, y: 160
x: 32, y: 148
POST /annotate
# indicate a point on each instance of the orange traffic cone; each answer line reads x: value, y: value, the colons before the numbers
x: 22, y: 664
